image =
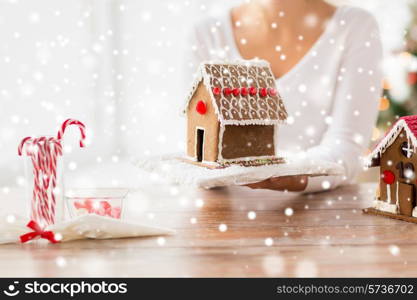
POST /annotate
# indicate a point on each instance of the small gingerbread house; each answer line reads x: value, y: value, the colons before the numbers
x: 232, y: 111
x: 396, y: 156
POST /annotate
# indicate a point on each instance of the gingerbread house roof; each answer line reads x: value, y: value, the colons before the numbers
x: 408, y: 124
x: 243, y: 93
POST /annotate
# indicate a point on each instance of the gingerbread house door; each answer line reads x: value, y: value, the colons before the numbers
x: 406, y: 198
x: 199, y: 144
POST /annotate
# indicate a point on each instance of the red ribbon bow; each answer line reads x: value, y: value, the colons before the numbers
x: 37, y: 232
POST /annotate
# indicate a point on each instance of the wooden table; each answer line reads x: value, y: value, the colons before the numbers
x: 327, y: 235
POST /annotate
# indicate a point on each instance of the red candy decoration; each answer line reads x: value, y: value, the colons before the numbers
x: 216, y: 91
x: 388, y: 177
x: 272, y: 92
x: 263, y: 92
x: 244, y: 91
x: 227, y: 91
x: 236, y: 92
x: 252, y: 91
x: 201, y: 107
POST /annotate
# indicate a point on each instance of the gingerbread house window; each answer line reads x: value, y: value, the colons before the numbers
x: 406, y: 149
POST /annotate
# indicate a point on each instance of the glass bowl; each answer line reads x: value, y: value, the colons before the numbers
x: 106, y: 202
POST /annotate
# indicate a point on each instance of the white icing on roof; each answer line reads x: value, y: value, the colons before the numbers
x: 392, y: 135
x: 241, y: 109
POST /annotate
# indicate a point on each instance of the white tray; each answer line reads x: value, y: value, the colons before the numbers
x: 172, y: 168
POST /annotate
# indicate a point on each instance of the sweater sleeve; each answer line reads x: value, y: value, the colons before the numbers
x: 355, y: 104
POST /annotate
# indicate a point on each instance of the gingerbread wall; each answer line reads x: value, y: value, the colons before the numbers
x: 389, y: 161
x: 208, y: 121
x: 248, y: 141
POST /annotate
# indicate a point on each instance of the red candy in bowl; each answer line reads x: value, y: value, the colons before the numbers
x: 102, y: 202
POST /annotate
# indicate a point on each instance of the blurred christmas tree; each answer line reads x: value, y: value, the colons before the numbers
x: 392, y: 106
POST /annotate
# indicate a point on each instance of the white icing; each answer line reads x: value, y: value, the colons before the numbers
x: 220, y: 146
x: 188, y: 174
x: 414, y: 213
x: 248, y: 158
x: 203, y: 76
x: 206, y: 162
x: 388, y: 193
x: 384, y: 206
x: 397, y: 201
x: 390, y: 138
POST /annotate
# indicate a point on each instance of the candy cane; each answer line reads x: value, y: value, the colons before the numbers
x: 44, y: 179
x: 53, y: 156
x: 37, y: 203
x: 25, y: 141
x: 44, y: 153
x: 69, y: 122
x: 50, y: 166
x: 44, y: 173
x: 35, y: 213
x: 40, y: 180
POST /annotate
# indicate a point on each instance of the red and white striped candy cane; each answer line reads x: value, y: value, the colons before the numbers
x: 38, y: 211
x: 44, y: 153
x: 44, y: 169
x: 69, y: 122
x: 53, y: 154
x: 25, y: 141
x: 35, y: 214
x: 43, y: 177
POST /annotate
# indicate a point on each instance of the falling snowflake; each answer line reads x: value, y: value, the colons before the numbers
x: 290, y: 120
x: 251, y: 215
x: 289, y: 211
x: 394, y: 250
x: 72, y: 166
x: 311, y: 20
x: 269, y: 242
x: 58, y: 236
x: 325, y: 184
x: 328, y: 120
x: 10, y: 219
x: 222, y: 227
x: 161, y: 241
x: 199, y: 203
x: 302, y: 88
x: 409, y: 174
x: 61, y: 262
x: 358, y: 138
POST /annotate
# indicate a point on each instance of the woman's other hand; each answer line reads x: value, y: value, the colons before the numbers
x: 284, y: 183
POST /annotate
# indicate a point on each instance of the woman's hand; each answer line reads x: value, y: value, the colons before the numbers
x: 284, y: 183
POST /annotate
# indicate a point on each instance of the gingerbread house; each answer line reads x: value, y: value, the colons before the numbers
x: 232, y: 112
x: 396, y: 156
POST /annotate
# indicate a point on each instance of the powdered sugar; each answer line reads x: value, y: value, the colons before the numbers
x: 180, y: 172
